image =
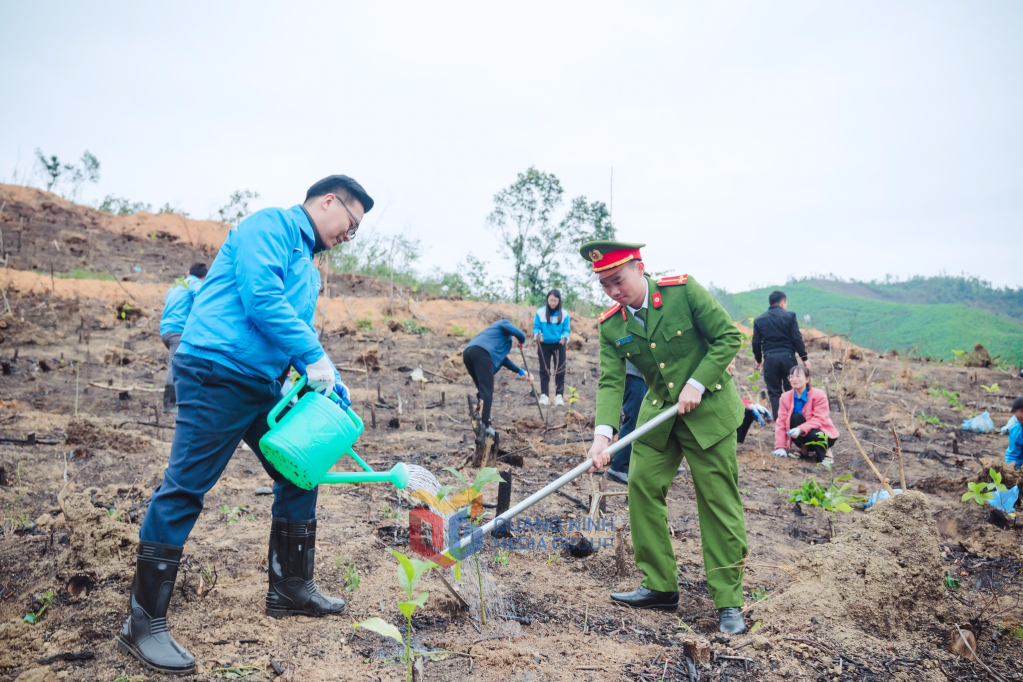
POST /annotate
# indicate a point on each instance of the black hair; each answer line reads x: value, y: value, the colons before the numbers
x: 343, y: 185
x: 199, y: 270
x: 776, y: 297
x: 801, y: 368
x: 1017, y: 404
x: 557, y: 310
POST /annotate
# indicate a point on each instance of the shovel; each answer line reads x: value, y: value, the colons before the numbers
x: 536, y: 397
x: 575, y: 473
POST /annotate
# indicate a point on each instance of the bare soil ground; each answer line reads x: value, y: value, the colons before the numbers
x: 869, y: 604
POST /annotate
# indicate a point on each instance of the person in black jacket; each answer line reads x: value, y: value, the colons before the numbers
x: 776, y: 342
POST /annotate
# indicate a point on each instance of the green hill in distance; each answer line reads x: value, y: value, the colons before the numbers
x: 902, y: 316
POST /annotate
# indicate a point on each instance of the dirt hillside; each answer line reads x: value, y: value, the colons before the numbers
x: 859, y: 595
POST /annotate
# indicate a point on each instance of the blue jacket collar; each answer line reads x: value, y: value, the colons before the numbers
x: 309, y: 232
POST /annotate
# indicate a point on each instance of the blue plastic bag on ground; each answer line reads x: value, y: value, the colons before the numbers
x: 982, y: 423
x: 879, y: 496
x: 1005, y: 500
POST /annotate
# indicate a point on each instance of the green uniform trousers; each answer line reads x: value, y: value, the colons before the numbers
x: 722, y: 525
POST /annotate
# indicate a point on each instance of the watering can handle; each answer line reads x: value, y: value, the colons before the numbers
x: 271, y: 418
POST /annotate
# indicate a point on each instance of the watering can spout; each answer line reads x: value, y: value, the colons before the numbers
x: 397, y: 476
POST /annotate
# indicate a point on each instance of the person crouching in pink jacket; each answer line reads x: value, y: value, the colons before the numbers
x: 804, y: 419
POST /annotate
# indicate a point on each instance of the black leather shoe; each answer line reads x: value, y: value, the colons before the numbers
x: 643, y: 598
x: 292, y: 590
x: 620, y: 476
x: 731, y: 620
x: 144, y: 635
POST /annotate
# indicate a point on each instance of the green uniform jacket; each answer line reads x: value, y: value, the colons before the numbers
x: 689, y: 335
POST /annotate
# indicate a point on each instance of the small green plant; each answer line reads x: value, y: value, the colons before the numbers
x: 365, y: 324
x: 981, y: 492
x: 457, y: 331
x: 977, y: 493
x: 234, y: 672
x: 502, y: 557
x: 758, y: 594
x: 754, y: 386
x: 951, y: 582
x: 413, y: 327
x: 409, y: 573
x: 45, y: 602
x: 991, y: 388
x: 681, y: 625
x: 951, y: 397
x: 552, y: 559
x: 132, y: 678
x: 233, y: 514
x: 931, y: 419
x: 831, y: 498
x: 351, y: 578
x: 391, y: 513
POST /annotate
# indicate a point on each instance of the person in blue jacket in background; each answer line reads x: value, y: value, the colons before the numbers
x: 176, y: 306
x: 253, y: 318
x: 484, y: 357
x: 551, y: 329
x: 1014, y: 453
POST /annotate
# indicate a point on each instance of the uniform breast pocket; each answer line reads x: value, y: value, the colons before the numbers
x: 680, y: 336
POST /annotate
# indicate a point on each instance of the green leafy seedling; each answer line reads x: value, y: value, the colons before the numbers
x: 45, y: 601
x: 977, y: 493
x: 351, y: 578
x: 951, y: 582
x: 409, y: 573
x: 991, y: 388
x: 502, y: 557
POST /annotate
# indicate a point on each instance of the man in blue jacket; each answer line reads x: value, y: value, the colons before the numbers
x: 176, y: 306
x: 252, y: 318
x: 484, y: 357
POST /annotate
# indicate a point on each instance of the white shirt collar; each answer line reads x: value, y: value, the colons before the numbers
x: 646, y: 296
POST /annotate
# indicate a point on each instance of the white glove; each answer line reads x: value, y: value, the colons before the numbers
x: 794, y: 432
x: 780, y: 452
x: 1008, y: 427
x: 320, y: 374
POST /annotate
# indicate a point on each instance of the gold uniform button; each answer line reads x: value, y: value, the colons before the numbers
x: 671, y: 385
x: 628, y: 355
x: 654, y: 401
x: 719, y: 387
x: 662, y: 365
x: 678, y: 333
x: 653, y: 345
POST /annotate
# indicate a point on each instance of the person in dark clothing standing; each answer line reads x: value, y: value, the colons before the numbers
x: 484, y: 357
x: 776, y: 342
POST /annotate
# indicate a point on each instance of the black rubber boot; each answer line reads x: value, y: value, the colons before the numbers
x: 292, y: 590
x: 144, y: 634
x: 169, y: 399
x: 731, y: 620
x: 645, y: 598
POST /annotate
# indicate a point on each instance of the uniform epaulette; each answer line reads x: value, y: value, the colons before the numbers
x: 609, y: 312
x: 672, y: 281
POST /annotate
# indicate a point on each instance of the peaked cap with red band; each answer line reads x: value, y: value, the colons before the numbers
x: 607, y: 254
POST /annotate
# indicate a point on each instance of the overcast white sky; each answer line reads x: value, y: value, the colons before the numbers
x: 749, y: 141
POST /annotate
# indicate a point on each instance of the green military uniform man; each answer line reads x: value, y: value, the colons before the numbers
x: 682, y: 340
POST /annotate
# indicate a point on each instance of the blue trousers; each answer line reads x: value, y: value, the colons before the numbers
x: 217, y: 409
x: 635, y: 389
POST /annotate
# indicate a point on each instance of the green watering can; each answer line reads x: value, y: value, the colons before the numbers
x: 313, y: 436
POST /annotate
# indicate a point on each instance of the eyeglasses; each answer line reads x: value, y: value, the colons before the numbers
x: 355, y: 227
